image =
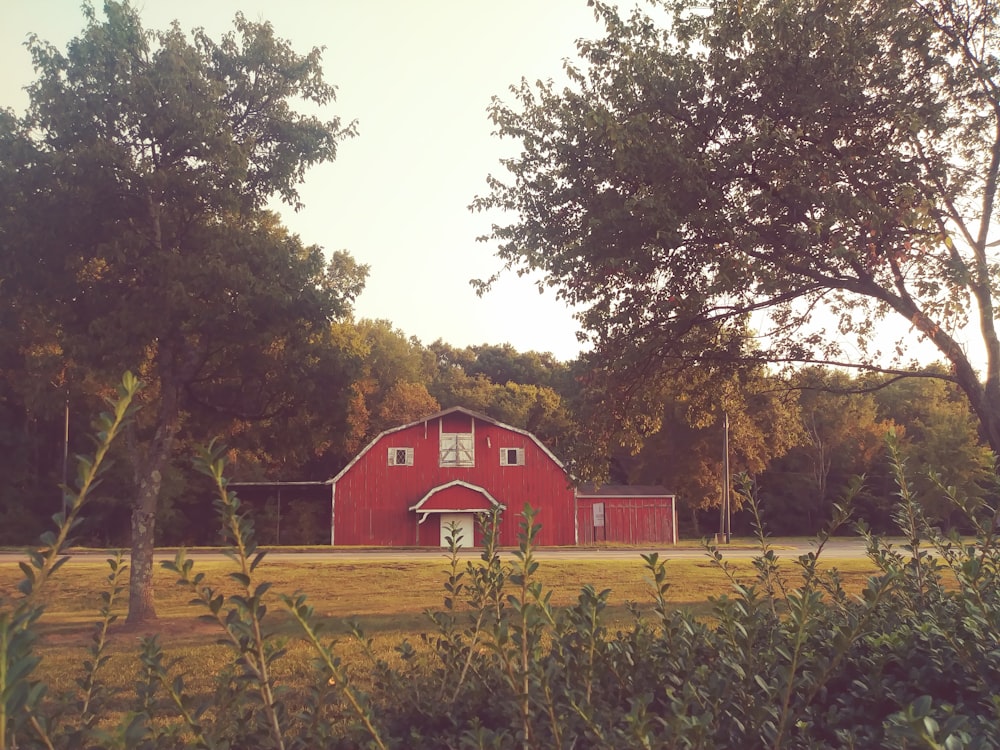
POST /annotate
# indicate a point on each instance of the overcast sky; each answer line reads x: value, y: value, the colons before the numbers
x: 417, y: 76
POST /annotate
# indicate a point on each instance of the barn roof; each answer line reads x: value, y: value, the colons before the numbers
x: 437, y: 415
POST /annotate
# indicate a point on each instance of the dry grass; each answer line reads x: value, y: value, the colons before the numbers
x: 397, y: 591
x: 388, y: 599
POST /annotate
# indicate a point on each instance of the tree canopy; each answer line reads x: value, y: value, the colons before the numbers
x: 812, y: 169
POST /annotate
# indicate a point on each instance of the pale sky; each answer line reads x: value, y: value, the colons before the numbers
x: 417, y: 76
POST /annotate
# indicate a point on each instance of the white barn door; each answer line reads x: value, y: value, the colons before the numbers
x: 465, y: 524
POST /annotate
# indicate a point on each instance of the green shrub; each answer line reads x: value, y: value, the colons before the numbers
x: 914, y: 661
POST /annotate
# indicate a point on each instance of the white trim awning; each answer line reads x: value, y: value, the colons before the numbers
x: 425, y: 512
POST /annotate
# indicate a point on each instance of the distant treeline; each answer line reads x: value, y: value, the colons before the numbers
x: 802, y: 438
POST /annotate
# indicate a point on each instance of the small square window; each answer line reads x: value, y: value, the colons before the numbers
x: 512, y: 456
x: 401, y: 457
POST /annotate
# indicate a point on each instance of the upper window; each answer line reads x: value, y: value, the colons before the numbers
x: 457, y: 449
x: 401, y: 457
x: 512, y: 456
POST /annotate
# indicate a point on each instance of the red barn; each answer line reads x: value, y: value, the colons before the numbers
x: 409, y: 484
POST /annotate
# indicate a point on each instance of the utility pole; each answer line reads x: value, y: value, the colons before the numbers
x: 65, y: 461
x: 727, y: 510
x: 64, y: 385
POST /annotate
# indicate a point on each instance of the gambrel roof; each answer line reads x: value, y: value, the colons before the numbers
x: 439, y: 415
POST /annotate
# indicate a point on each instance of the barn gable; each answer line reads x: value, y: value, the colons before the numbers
x: 456, y: 420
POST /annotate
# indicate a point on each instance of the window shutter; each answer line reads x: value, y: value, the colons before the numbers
x: 466, y: 448
x: 449, y: 454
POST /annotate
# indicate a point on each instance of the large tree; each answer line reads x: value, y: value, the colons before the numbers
x: 139, y: 178
x: 814, y: 167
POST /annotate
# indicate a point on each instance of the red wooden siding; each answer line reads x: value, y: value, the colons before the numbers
x: 372, y: 500
x: 457, y: 421
x: 628, y: 520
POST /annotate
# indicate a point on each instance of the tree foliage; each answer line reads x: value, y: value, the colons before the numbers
x: 668, y: 429
x: 137, y: 231
x: 391, y: 388
x: 842, y: 437
x: 745, y: 161
x: 527, y: 390
x: 940, y: 440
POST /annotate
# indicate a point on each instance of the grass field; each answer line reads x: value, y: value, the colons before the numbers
x: 394, y: 593
x: 387, y: 599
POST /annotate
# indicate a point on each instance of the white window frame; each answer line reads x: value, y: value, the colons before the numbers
x: 505, y: 456
x: 457, y: 449
x: 394, y: 456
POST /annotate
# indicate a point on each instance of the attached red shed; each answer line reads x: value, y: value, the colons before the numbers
x: 626, y: 514
x: 411, y: 482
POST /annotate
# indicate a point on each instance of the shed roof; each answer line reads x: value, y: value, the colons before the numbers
x: 622, y: 490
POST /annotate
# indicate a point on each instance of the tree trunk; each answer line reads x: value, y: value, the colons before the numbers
x: 149, y: 476
x: 984, y: 399
x: 141, y: 607
x: 988, y: 411
x: 148, y: 465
